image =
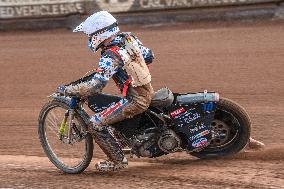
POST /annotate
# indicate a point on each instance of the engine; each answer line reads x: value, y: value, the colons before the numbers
x: 169, y: 141
x: 153, y: 143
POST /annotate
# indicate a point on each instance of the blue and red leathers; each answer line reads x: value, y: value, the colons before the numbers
x: 136, y: 99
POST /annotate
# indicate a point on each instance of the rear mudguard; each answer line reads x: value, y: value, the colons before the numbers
x: 192, y: 114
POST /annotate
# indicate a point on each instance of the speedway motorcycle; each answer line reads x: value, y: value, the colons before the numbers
x: 201, y: 124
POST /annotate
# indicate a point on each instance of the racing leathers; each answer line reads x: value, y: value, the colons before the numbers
x: 129, y: 70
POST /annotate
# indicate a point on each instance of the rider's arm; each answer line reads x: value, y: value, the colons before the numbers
x: 107, y: 67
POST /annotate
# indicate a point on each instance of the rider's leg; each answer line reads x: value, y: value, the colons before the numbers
x: 111, y: 147
x: 139, y: 101
x: 105, y: 138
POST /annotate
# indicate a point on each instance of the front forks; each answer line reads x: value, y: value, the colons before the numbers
x: 73, y: 132
x: 63, y: 125
x: 70, y: 113
x: 71, y: 124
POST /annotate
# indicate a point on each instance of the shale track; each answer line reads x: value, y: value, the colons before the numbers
x: 244, y: 62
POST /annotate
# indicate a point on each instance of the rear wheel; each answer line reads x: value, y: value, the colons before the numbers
x: 231, y: 130
x: 70, y: 156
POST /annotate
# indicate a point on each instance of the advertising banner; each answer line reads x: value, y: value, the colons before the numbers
x: 142, y: 5
x: 10, y: 9
x: 40, y: 8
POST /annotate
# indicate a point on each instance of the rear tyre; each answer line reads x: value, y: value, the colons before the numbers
x: 70, y: 158
x: 232, y: 124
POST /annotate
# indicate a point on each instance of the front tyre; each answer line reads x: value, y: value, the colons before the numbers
x: 72, y: 156
x: 231, y: 130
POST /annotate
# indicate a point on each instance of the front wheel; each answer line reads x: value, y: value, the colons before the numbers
x: 231, y: 130
x: 70, y: 150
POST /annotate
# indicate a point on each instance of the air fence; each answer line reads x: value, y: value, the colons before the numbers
x: 60, y: 13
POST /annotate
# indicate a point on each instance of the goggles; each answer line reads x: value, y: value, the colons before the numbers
x: 95, y: 39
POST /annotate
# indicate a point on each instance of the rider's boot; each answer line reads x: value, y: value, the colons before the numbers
x: 111, y: 166
x: 105, y: 138
x: 254, y: 144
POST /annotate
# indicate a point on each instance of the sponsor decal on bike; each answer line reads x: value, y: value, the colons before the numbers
x: 208, y: 106
x: 199, y: 143
x: 190, y: 117
x: 203, y: 133
x: 178, y: 111
x: 197, y: 127
x: 187, y: 117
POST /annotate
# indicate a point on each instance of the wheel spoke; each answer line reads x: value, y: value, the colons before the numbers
x: 51, y: 122
x: 54, y: 130
x: 55, y: 116
x: 70, y: 155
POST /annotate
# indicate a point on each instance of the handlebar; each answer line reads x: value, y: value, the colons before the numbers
x: 72, y: 101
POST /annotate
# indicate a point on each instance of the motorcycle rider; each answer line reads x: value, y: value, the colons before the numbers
x: 125, y: 60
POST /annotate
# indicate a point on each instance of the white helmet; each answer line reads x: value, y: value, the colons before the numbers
x: 99, y: 27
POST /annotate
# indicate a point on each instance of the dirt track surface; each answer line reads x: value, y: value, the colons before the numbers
x: 244, y: 62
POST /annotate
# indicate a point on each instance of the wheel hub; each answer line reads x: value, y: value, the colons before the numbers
x: 220, y: 132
